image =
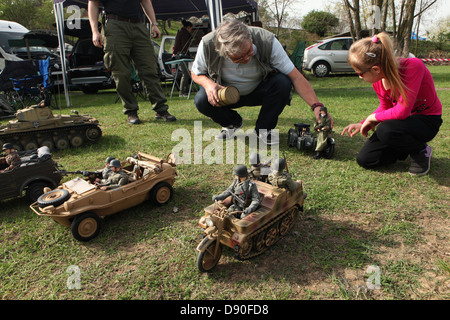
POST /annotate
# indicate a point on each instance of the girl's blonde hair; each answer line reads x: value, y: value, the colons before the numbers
x: 379, y: 51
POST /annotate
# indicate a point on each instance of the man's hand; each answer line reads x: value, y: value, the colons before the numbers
x: 156, y: 33
x: 211, y: 91
x: 97, y: 39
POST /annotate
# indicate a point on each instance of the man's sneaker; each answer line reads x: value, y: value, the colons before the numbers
x: 269, y: 137
x: 165, y: 115
x: 229, y: 132
x: 133, y: 118
x: 420, y: 162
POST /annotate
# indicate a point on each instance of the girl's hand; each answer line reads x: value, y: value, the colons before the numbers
x: 369, y: 124
x: 352, y: 129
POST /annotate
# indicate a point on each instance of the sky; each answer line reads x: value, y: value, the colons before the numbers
x: 440, y: 10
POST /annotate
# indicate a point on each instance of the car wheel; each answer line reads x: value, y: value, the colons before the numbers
x: 321, y: 69
x: 89, y: 90
x: 161, y: 193
x: 35, y: 190
x: 53, y: 198
x: 85, y: 226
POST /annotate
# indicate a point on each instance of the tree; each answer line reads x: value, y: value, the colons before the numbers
x: 319, y: 22
x: 33, y: 14
x: 277, y: 10
x: 403, y: 13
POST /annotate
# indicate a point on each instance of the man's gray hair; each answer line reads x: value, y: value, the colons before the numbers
x: 230, y: 36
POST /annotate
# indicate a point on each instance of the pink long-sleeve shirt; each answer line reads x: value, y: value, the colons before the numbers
x: 420, y: 90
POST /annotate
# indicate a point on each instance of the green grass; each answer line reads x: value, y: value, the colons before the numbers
x: 353, y: 218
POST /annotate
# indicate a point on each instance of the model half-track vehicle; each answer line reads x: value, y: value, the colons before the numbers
x: 252, y: 235
x: 37, y: 126
x: 302, y: 139
x: 80, y: 204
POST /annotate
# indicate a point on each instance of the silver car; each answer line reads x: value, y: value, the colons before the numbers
x: 327, y: 56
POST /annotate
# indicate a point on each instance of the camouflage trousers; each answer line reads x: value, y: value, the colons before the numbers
x: 126, y: 43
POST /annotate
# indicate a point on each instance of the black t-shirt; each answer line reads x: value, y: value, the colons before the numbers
x: 130, y: 9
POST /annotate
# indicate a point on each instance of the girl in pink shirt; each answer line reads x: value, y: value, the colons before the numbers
x: 409, y: 114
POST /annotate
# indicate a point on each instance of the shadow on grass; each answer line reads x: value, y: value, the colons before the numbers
x: 313, y: 250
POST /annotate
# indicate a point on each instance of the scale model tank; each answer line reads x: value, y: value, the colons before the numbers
x: 252, y: 235
x: 36, y: 127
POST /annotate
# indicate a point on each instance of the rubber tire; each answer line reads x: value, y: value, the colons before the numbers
x: 60, y: 199
x: 324, y: 69
x: 201, y: 256
x: 155, y: 193
x: 35, y: 190
x: 82, y: 218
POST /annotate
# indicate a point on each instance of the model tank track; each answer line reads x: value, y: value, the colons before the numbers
x: 61, y: 138
x: 254, y: 236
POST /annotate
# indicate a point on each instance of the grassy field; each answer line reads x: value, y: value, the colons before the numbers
x: 353, y: 218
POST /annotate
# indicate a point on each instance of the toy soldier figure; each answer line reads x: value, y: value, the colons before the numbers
x: 245, y: 195
x: 323, y: 129
x: 280, y: 178
x: 11, y: 160
x: 117, y: 178
x: 259, y: 171
x: 106, y: 171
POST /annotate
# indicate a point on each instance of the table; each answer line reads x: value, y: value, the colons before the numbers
x: 184, y: 61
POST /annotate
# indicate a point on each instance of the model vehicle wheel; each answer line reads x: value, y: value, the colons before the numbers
x: 30, y: 145
x: 161, y: 193
x: 321, y: 69
x: 93, y: 134
x: 260, y: 242
x: 76, y: 141
x: 53, y: 198
x: 48, y: 142
x: 85, y: 226
x: 62, y: 143
x: 287, y: 222
x: 244, y: 249
x: 329, y: 150
x: 271, y: 236
x: 35, y: 190
x: 207, y: 259
x: 292, y: 137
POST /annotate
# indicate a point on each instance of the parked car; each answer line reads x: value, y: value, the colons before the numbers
x: 86, y: 67
x: 328, y: 56
x: 80, y: 205
x: 36, y: 172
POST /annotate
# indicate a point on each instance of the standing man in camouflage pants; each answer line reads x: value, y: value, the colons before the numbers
x: 126, y: 40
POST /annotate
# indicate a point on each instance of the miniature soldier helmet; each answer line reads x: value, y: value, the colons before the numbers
x: 115, y: 163
x: 279, y: 164
x: 324, y: 109
x: 240, y: 171
x: 8, y: 146
x: 254, y: 158
x: 109, y: 159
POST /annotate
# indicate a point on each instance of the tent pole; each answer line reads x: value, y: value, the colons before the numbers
x: 59, y: 16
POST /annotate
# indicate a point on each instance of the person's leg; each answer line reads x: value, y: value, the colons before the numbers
x: 273, y: 95
x: 225, y: 116
x: 117, y: 46
x: 396, y: 139
x: 145, y: 61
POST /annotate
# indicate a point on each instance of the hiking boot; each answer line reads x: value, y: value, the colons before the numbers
x: 133, y: 118
x: 229, y: 132
x: 420, y: 162
x: 165, y: 115
x: 269, y: 137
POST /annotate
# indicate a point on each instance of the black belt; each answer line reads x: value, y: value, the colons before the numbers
x: 119, y: 18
